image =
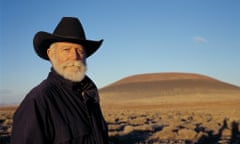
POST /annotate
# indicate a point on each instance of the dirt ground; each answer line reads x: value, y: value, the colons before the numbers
x: 192, y: 119
x: 186, y: 119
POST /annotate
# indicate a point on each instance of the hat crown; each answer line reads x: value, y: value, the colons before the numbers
x: 70, y: 27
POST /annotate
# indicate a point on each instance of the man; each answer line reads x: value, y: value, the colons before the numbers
x: 64, y: 108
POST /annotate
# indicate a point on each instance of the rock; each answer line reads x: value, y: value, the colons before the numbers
x: 186, y: 134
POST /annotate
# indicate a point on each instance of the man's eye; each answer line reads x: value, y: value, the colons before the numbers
x: 80, y: 52
x: 66, y: 49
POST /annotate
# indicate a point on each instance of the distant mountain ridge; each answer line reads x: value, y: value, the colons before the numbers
x: 160, y: 77
x: 167, y: 84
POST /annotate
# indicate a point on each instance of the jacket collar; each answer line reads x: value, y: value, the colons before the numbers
x: 86, y: 86
x: 83, y: 85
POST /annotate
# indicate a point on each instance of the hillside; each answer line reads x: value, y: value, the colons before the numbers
x: 164, y: 108
x: 166, y: 84
x: 172, y: 108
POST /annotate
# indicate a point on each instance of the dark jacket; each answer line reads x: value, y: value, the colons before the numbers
x: 59, y: 111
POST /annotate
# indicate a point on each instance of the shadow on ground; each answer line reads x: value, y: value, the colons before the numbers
x: 141, y: 137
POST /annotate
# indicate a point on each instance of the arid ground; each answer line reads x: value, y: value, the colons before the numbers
x: 164, y: 108
x: 171, y: 108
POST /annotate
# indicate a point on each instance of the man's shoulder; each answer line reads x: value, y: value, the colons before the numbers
x: 39, y: 92
x: 43, y: 87
x: 35, y: 98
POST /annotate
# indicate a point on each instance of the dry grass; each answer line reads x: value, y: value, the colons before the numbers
x: 6, y: 121
x: 180, y: 119
x: 165, y: 109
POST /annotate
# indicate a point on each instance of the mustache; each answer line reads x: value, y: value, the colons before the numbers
x: 73, y: 63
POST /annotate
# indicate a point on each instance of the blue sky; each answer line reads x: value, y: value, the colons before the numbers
x: 140, y: 36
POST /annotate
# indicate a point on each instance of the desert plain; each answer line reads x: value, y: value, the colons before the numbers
x: 164, y: 108
x: 169, y: 108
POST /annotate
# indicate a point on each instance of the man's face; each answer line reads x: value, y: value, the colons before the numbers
x: 68, y: 59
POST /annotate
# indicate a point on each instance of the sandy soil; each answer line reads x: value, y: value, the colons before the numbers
x: 175, y: 120
x: 164, y: 109
x: 172, y: 108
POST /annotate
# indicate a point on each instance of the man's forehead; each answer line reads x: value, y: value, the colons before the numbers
x: 69, y: 44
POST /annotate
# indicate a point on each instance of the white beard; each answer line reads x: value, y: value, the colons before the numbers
x: 72, y: 70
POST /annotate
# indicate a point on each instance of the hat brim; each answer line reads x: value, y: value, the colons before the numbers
x: 43, y: 40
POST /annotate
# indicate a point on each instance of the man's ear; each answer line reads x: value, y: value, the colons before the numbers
x: 50, y: 54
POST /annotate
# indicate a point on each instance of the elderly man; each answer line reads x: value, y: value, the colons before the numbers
x: 64, y: 108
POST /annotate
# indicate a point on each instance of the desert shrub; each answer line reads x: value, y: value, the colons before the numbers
x: 115, y: 127
x: 144, y: 127
x: 187, y: 134
x: 127, y: 129
x: 166, y: 133
x: 137, y: 121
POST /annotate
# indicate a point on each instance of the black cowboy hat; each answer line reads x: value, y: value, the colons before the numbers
x: 69, y: 29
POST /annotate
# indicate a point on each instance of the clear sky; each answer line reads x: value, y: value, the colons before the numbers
x: 140, y: 36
